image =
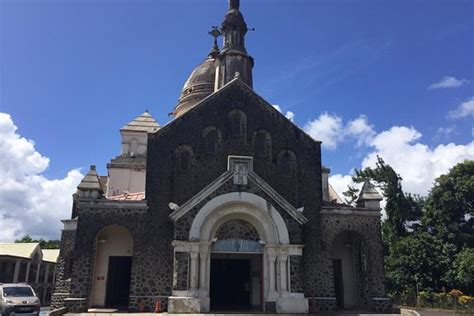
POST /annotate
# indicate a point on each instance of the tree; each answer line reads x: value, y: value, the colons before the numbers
x: 462, y: 273
x: 418, y: 260
x: 402, y: 210
x: 44, y: 244
x: 449, y: 211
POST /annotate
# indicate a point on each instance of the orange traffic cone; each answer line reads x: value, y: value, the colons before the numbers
x: 158, y: 306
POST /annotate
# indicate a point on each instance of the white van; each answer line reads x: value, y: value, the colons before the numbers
x: 18, y: 299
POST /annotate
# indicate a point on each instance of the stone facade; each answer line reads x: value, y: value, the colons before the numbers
x: 230, y: 178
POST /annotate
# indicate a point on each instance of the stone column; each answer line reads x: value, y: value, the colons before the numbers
x: 271, y: 272
x: 194, y: 271
x: 38, y: 273
x: 54, y: 274
x: 27, y: 276
x: 282, y: 262
x: 16, y: 271
x: 202, y: 271
x: 46, y: 274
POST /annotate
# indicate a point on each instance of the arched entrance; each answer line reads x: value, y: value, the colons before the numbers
x: 112, y: 268
x: 350, y: 269
x: 236, y: 259
x: 239, y: 242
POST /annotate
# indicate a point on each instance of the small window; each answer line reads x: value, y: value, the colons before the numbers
x: 184, y: 156
x: 211, y: 140
x: 238, y: 124
x: 262, y: 144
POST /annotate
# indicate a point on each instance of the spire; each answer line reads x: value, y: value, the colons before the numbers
x: 234, y: 4
x: 233, y: 57
x: 369, y: 197
x: 90, y: 186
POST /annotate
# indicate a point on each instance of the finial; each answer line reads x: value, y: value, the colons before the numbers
x: 215, y: 32
x: 234, y: 4
x: 92, y: 167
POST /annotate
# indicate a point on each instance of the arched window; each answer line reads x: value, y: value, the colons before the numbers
x: 288, y: 170
x: 237, y: 124
x: 262, y: 141
x: 288, y: 164
x: 183, y: 159
x: 211, y: 137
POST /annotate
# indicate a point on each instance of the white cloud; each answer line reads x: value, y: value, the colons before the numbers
x: 30, y: 203
x: 331, y: 130
x: 326, y: 128
x: 289, y: 115
x: 417, y: 163
x: 361, y: 129
x: 465, y: 109
x: 448, y: 82
x: 340, y: 182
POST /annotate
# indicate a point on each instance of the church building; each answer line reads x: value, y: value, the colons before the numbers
x: 225, y: 208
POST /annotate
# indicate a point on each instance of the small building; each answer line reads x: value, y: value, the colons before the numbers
x: 28, y: 263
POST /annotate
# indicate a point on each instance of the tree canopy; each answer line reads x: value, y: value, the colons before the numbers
x: 44, y: 244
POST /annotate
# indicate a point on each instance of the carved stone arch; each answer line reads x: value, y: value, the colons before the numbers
x: 262, y: 144
x: 184, y: 160
x: 212, y: 139
x: 240, y: 205
x: 237, y: 124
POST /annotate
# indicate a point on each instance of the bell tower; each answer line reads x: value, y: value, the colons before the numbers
x: 233, y: 59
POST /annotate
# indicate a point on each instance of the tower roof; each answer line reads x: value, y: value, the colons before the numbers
x: 142, y: 123
x: 368, y: 192
x: 90, y: 181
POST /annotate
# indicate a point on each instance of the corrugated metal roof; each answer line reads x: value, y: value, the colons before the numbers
x: 20, y: 250
x: 50, y: 255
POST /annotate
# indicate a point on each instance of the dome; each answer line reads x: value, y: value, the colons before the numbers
x: 199, y: 85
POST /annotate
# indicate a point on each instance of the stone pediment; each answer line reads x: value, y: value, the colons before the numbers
x: 240, y: 171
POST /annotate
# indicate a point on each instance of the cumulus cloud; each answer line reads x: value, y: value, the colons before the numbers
x: 448, y: 82
x: 465, y: 109
x: 330, y: 129
x: 400, y: 146
x: 417, y: 163
x: 30, y: 203
x: 289, y: 115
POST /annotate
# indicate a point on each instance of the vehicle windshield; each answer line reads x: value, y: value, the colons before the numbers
x: 17, y: 291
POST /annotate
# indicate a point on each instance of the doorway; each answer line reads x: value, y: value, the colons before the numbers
x: 236, y: 282
x: 118, y: 282
x: 338, y: 284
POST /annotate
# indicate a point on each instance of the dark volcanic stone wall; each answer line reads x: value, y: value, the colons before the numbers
x: 181, y: 271
x: 178, y: 178
x: 237, y: 229
x: 368, y: 229
x: 152, y: 263
x: 63, y: 269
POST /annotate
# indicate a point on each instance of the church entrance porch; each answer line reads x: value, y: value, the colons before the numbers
x: 236, y: 282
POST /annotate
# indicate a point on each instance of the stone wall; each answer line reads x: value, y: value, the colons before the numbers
x: 237, y: 229
x: 290, y: 163
x: 181, y: 271
x: 63, y: 269
x: 152, y: 262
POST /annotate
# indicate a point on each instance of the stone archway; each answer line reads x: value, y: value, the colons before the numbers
x: 349, y: 255
x: 275, y: 252
x: 112, y: 267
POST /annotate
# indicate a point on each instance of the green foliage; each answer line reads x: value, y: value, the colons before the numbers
x: 44, y: 244
x: 401, y: 209
x: 428, y: 242
x: 418, y: 260
x: 449, y: 211
x: 350, y: 194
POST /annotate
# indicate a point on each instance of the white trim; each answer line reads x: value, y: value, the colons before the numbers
x: 265, y: 218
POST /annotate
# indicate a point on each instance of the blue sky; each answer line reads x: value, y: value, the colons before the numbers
x: 73, y: 72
